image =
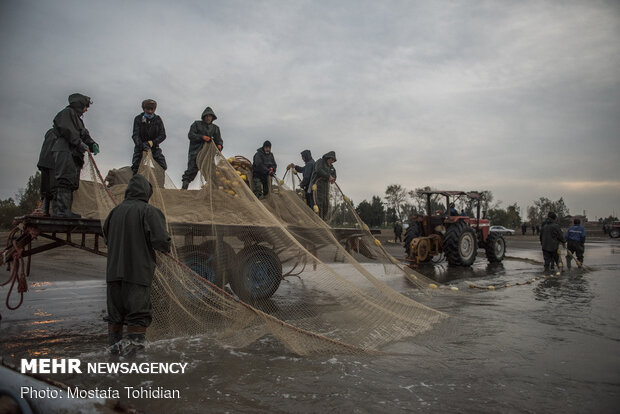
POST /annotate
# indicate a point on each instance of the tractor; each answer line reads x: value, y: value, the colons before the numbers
x: 456, y: 236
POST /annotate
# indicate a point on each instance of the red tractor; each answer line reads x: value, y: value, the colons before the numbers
x: 455, y: 235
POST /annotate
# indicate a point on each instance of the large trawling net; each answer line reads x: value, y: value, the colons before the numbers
x: 243, y: 268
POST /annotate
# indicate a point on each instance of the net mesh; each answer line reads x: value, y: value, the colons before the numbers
x: 243, y: 268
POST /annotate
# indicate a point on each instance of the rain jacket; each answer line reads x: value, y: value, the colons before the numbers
x: 69, y: 127
x: 322, y: 171
x: 46, y: 157
x: 307, y: 169
x: 201, y: 128
x: 576, y: 233
x: 133, y: 231
x: 262, y: 163
x: 145, y: 129
x: 551, y: 235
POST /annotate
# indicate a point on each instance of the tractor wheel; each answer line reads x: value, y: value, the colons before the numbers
x: 495, y: 247
x: 259, y: 273
x: 202, y: 261
x: 614, y: 233
x: 411, y: 233
x: 460, y: 244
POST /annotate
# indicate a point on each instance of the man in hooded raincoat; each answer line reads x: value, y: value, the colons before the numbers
x: 72, y: 140
x: 201, y: 132
x: 323, y: 175
x: 148, y: 134
x: 263, y: 168
x: 550, y: 238
x: 307, y: 169
x: 132, y: 231
x: 46, y: 166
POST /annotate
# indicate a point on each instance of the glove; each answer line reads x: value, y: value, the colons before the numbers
x: 206, y: 138
x: 151, y: 144
x: 83, y: 147
x: 95, y: 149
x: 271, y: 171
x: 219, y: 147
x: 291, y: 165
x: 145, y: 146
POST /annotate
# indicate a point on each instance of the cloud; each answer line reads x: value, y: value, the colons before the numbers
x: 518, y: 99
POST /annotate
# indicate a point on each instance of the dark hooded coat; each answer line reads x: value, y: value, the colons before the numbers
x: 320, y: 177
x: 551, y: 235
x: 67, y: 148
x: 263, y: 161
x: 196, y: 132
x: 46, y: 157
x: 306, y: 170
x: 133, y: 231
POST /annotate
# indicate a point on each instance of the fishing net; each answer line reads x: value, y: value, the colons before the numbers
x: 243, y: 268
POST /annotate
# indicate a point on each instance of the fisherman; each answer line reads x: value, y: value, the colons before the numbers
x: 46, y: 166
x: 550, y: 238
x: 72, y: 140
x: 306, y: 170
x: 398, y: 231
x: 148, y: 134
x: 132, y: 231
x: 575, y: 240
x: 201, y: 132
x: 324, y: 174
x: 263, y: 168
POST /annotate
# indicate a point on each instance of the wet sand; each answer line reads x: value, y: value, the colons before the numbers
x: 550, y: 346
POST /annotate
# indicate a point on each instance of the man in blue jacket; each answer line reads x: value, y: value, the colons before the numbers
x: 576, y: 240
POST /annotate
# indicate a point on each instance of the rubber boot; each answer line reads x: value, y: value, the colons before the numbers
x: 185, y: 185
x: 115, y: 336
x: 64, y: 200
x: 134, y: 344
x: 568, y: 259
x: 46, y: 206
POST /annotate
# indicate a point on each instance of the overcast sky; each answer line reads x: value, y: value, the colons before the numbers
x: 520, y: 98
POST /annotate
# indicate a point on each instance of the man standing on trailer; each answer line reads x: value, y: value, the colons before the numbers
x: 200, y: 132
x: 324, y: 174
x: 148, y: 134
x: 306, y: 170
x: 72, y: 140
x: 263, y: 168
x: 133, y: 231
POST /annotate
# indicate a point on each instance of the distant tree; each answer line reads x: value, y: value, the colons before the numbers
x: 543, y: 206
x: 378, y: 212
x: 8, y: 211
x: 364, y: 210
x: 390, y: 216
x: 395, y: 195
x: 509, y: 217
x: 419, y: 201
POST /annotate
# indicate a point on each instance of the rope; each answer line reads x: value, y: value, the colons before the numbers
x: 18, y: 274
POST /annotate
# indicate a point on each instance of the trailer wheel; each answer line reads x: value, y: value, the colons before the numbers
x: 614, y: 233
x: 258, y: 274
x: 208, y: 261
x: 495, y: 247
x: 460, y: 244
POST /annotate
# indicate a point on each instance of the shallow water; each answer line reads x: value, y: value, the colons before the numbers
x: 550, y: 346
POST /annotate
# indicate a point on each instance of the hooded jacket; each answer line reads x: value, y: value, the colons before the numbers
x: 307, y: 169
x: 201, y: 128
x: 322, y: 171
x: 46, y: 157
x: 551, y: 235
x: 133, y: 231
x: 69, y: 127
x: 262, y: 163
x: 576, y: 233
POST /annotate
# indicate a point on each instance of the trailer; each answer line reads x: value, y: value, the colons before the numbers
x: 247, y: 257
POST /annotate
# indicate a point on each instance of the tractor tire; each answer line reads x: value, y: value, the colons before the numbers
x: 495, y: 247
x: 213, y: 261
x: 411, y: 233
x: 460, y: 244
x: 258, y: 275
x: 614, y: 233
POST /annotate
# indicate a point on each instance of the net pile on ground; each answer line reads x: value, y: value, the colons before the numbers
x: 242, y: 268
